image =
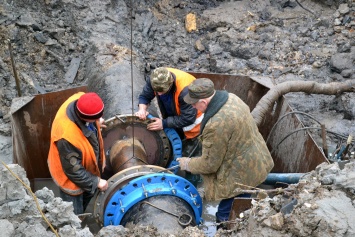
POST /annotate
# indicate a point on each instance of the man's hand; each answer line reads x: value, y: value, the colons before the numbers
x: 201, y: 191
x: 142, y: 112
x: 184, y: 163
x: 102, y: 123
x: 102, y: 185
x: 156, y: 125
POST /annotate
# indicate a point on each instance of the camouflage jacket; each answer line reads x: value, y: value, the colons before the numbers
x: 234, y: 153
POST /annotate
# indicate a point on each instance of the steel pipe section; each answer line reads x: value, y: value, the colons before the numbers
x: 127, y: 153
x: 141, y: 189
x: 123, y: 127
x: 289, y: 178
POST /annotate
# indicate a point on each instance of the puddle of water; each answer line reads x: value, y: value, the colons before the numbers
x: 208, y: 214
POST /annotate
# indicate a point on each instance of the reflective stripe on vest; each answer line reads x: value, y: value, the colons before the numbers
x: 197, y: 122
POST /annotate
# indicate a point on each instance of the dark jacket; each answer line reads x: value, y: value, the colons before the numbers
x: 187, y: 112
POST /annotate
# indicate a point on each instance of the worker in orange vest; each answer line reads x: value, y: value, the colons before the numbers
x: 76, y: 155
x: 169, y: 86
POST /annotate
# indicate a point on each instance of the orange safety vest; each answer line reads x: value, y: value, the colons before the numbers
x: 63, y: 127
x: 184, y: 79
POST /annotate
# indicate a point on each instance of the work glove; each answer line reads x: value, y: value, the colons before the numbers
x: 201, y: 191
x: 102, y: 185
x: 184, y: 163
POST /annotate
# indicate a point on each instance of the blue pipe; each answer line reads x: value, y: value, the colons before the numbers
x: 289, y: 178
x: 340, y: 152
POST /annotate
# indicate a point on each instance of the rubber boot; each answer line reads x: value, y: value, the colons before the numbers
x: 221, y: 225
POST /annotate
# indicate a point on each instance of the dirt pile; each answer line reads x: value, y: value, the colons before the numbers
x: 321, y: 204
x: 19, y: 212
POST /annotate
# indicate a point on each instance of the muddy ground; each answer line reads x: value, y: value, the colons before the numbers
x: 117, y: 43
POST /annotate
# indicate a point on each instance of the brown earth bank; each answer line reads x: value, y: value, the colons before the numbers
x: 115, y: 44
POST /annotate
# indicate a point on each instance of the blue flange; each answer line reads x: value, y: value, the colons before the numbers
x: 176, y: 145
x: 148, y: 186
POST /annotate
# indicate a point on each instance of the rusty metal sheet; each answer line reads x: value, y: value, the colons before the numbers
x: 298, y: 153
x: 239, y: 205
x: 247, y: 89
x: 31, y: 128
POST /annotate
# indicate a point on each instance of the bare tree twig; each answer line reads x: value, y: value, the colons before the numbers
x: 306, y: 8
x: 15, y: 71
x: 33, y: 196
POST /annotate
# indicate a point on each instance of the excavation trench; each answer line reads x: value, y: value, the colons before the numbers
x: 292, y: 154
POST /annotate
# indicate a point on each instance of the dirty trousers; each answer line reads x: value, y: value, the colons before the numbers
x: 80, y: 202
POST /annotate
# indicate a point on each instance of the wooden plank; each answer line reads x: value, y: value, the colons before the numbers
x: 32, y: 82
x: 73, y: 69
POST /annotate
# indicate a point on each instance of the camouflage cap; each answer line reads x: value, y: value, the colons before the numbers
x: 161, y: 79
x: 199, y: 89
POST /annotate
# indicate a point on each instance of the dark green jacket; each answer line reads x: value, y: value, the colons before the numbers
x: 233, y: 150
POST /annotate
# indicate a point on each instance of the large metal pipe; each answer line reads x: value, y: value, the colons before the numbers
x: 169, y: 214
x: 127, y: 153
x: 142, y: 194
